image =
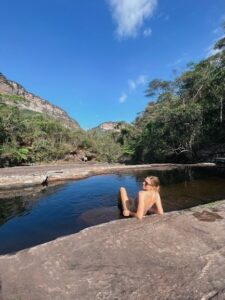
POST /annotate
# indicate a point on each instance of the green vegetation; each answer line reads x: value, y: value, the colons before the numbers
x: 183, y: 117
x: 111, y: 145
x: 26, y: 136
x: 14, y: 98
x: 105, y: 146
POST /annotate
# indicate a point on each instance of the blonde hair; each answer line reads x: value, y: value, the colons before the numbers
x: 154, y: 182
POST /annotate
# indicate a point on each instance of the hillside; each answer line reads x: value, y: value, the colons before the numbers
x: 183, y: 122
x: 185, y: 118
x: 110, y: 126
x: 34, y: 130
x: 13, y: 94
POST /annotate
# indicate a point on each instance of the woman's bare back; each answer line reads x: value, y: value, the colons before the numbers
x: 150, y: 198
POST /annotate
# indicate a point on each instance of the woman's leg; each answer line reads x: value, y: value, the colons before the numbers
x: 123, y: 198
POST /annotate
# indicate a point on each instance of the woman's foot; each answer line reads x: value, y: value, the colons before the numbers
x: 126, y: 213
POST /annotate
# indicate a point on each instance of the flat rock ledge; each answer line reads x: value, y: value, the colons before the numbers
x: 180, y: 255
x: 26, y: 176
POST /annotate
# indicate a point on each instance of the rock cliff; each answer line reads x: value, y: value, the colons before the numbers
x: 110, y: 126
x: 12, y: 93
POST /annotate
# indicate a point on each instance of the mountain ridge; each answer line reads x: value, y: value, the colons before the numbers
x: 110, y: 126
x: 14, y: 94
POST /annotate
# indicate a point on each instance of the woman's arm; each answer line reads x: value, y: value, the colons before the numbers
x: 158, y: 205
x: 140, y: 209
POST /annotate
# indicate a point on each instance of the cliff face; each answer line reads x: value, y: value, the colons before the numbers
x: 12, y: 93
x: 110, y: 126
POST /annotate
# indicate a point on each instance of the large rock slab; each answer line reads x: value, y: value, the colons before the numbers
x: 180, y: 255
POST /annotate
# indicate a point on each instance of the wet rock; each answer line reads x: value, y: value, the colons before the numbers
x: 207, y: 216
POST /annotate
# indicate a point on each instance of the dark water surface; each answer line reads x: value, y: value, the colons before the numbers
x: 36, y: 215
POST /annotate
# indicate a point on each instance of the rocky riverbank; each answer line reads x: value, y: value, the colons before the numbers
x: 25, y: 176
x: 180, y: 255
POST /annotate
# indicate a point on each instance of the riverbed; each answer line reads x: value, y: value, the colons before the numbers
x: 36, y: 215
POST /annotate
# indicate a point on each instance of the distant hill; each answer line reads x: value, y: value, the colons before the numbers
x: 12, y: 93
x: 110, y: 126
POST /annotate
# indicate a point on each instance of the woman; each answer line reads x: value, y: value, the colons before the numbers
x: 148, y: 198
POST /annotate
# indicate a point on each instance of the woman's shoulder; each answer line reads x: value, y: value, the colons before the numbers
x: 146, y: 194
x: 141, y: 193
x: 153, y: 194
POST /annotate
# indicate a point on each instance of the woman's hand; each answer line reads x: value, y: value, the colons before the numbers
x: 126, y: 213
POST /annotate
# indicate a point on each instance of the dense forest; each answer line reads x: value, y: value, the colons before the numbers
x: 183, y: 122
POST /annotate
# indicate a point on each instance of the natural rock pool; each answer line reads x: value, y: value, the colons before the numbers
x: 36, y: 215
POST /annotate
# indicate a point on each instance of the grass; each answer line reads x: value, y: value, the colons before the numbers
x: 13, y: 98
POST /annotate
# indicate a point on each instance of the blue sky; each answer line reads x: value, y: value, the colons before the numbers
x: 94, y: 58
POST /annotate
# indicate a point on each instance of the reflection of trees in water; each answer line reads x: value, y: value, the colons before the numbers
x: 181, y: 174
x: 121, y: 175
x: 166, y: 177
x: 189, y: 172
x: 16, y: 202
x: 186, y: 187
x: 10, y: 208
x: 193, y: 173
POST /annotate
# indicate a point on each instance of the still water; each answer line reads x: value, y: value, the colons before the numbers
x: 36, y: 215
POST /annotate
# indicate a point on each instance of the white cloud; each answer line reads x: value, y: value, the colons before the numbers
x: 133, y: 84
x: 147, y: 32
x: 123, y: 98
x: 141, y: 80
x: 130, y: 15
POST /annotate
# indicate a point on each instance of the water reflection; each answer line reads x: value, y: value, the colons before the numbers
x: 36, y: 215
x: 10, y: 208
x: 15, y: 203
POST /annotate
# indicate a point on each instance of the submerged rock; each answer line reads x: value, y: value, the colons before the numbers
x: 101, y: 215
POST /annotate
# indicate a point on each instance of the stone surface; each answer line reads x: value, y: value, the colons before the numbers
x: 180, y: 255
x: 35, y: 175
